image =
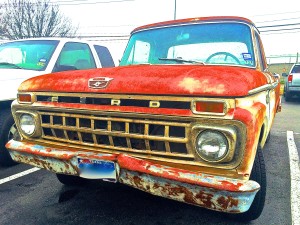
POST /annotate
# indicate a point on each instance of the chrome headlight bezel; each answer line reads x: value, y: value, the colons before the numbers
x: 228, y: 133
x: 211, y: 145
x: 27, y: 124
x: 36, y: 123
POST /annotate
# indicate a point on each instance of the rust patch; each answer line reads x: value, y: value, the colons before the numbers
x: 226, y: 203
x: 188, y: 195
x: 138, y: 181
x: 234, y: 211
x: 206, y: 199
x: 156, y: 186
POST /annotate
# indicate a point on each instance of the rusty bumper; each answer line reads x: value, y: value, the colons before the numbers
x: 209, y: 191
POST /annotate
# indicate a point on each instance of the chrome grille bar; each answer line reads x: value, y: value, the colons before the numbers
x: 114, y: 134
x: 149, y: 137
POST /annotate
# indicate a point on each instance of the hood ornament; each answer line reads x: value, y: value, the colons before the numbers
x: 99, y: 82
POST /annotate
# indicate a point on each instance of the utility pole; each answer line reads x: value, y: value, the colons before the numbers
x: 175, y: 3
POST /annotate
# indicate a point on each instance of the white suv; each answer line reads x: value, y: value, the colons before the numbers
x: 292, y: 83
x: 26, y: 58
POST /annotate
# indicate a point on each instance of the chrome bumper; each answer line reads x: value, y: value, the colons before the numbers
x: 204, y: 190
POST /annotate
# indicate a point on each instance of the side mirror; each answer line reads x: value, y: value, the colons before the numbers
x: 276, y: 76
x: 284, y: 74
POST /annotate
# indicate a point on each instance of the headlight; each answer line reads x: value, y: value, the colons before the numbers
x: 211, y: 145
x: 27, y: 124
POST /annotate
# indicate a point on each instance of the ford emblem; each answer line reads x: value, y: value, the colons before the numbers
x: 99, y: 82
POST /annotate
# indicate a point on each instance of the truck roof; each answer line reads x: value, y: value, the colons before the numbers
x: 61, y: 39
x: 194, y: 20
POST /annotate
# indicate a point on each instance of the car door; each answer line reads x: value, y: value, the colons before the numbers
x: 75, y: 56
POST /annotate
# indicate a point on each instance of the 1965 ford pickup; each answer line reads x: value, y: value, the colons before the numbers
x: 185, y: 116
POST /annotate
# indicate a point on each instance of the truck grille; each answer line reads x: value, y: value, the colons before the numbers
x: 134, y: 101
x: 148, y: 137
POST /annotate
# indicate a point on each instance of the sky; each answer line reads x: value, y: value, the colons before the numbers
x: 117, y: 18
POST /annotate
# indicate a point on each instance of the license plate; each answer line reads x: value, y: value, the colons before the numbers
x: 97, y: 169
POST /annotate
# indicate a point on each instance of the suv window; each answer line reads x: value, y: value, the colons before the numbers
x: 296, y: 69
x: 75, y: 56
x: 29, y: 54
x: 104, y: 55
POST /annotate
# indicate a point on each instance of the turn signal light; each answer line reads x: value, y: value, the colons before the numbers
x: 290, y: 78
x: 24, y: 98
x: 209, y: 107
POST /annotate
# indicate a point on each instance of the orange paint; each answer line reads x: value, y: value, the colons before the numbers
x: 192, y: 80
x: 143, y: 166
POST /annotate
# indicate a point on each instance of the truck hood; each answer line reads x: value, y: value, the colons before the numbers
x: 10, y: 79
x: 192, y: 80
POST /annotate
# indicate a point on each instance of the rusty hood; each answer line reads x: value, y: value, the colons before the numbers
x: 190, y: 80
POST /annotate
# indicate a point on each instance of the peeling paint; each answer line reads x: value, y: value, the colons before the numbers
x: 212, y: 192
x: 223, y: 201
x: 194, y: 85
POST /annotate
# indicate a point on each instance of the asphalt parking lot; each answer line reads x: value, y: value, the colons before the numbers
x: 38, y: 198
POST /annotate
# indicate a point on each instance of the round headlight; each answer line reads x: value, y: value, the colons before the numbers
x: 211, y: 145
x: 27, y: 124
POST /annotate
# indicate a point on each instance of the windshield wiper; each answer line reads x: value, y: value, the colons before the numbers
x: 182, y: 60
x: 10, y: 64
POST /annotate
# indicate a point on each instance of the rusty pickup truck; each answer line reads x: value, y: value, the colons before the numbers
x: 184, y: 116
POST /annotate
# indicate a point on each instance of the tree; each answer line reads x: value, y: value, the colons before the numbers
x: 1, y: 23
x: 33, y: 18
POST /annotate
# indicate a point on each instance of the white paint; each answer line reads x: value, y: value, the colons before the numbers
x: 15, y: 176
x: 295, y: 178
x: 119, y: 17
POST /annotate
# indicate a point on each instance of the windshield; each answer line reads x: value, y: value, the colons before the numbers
x: 209, y: 43
x: 29, y: 54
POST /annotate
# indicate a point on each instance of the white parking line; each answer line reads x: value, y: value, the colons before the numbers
x: 295, y: 178
x: 15, y: 176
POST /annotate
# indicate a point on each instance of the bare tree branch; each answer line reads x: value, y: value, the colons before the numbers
x: 33, y: 18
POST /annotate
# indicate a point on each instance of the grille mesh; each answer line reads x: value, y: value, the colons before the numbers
x: 141, y: 136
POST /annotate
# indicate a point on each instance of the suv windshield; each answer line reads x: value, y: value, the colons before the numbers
x: 29, y: 54
x: 207, y: 43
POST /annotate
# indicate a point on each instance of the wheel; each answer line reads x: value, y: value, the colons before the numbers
x: 258, y: 174
x: 226, y: 54
x: 70, y: 180
x: 268, y: 137
x: 7, y: 131
x: 287, y: 96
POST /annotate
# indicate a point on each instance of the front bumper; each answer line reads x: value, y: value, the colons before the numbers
x: 208, y: 191
x: 293, y: 89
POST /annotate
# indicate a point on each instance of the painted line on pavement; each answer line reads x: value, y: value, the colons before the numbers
x: 15, y: 176
x: 295, y: 178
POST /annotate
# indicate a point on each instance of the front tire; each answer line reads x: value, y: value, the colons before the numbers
x: 258, y: 174
x: 268, y: 137
x: 287, y: 97
x: 70, y: 180
x: 7, y: 131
